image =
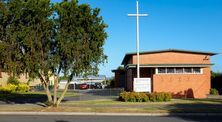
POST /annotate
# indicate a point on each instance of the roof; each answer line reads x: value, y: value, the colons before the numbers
x: 94, y: 77
x: 127, y: 56
x: 116, y: 70
x: 169, y: 65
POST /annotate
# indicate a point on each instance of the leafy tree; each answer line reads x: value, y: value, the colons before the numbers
x: 10, y: 51
x: 27, y: 39
x: 43, y: 40
x: 80, y: 39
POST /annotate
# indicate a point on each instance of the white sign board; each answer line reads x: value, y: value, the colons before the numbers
x: 142, y: 85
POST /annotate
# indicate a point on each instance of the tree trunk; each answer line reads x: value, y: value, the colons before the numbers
x: 48, y: 93
x: 46, y: 87
x: 55, y: 91
x: 63, y: 94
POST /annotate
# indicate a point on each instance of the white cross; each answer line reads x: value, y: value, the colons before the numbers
x: 137, y: 15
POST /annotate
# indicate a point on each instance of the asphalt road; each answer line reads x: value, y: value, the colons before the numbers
x: 45, y: 118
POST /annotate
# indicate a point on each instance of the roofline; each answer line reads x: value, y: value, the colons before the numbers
x: 168, y: 65
x: 168, y: 50
x: 114, y: 70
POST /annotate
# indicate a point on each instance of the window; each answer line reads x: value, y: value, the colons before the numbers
x: 161, y: 70
x: 196, y: 70
x: 187, y: 70
x: 170, y: 70
x: 179, y: 70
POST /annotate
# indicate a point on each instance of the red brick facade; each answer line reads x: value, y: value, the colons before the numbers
x: 179, y: 84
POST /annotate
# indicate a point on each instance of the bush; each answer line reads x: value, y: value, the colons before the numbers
x: 167, y: 96
x: 152, y: 97
x: 124, y: 96
x: 9, y: 88
x: 13, y: 80
x: 145, y: 97
x: 214, y: 91
x: 22, y: 88
x: 132, y: 97
x: 139, y: 97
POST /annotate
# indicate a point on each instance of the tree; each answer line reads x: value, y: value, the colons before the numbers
x: 80, y: 39
x: 27, y: 39
x: 43, y: 40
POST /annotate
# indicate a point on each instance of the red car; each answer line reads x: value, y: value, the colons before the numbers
x: 84, y: 86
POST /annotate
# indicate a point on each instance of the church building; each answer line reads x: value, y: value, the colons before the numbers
x: 183, y: 73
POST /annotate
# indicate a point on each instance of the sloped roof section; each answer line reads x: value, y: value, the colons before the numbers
x: 127, y: 56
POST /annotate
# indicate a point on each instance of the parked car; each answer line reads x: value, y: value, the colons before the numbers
x: 84, y: 86
x: 91, y: 85
x: 99, y: 86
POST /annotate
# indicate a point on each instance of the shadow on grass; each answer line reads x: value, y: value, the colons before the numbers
x: 197, y: 106
x: 23, y: 98
x: 61, y: 121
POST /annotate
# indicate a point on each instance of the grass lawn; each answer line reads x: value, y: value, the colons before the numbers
x: 176, y: 105
x: 111, y: 105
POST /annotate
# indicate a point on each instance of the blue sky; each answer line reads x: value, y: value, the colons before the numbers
x: 179, y: 24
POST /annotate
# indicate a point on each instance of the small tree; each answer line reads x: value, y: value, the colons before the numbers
x: 80, y: 39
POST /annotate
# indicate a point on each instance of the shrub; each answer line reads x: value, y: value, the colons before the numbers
x: 145, y: 97
x: 22, y: 88
x: 152, y: 97
x: 13, y: 80
x: 160, y: 96
x: 132, y: 97
x: 124, y: 96
x: 139, y: 97
x: 9, y: 88
x: 167, y: 96
x: 214, y: 91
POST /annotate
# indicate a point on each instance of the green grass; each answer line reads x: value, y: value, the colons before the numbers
x: 176, y: 105
x: 112, y: 105
x: 116, y: 102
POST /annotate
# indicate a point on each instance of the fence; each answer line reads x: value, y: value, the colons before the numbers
x: 93, y: 94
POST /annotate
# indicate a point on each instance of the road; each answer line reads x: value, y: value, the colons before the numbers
x: 46, y: 118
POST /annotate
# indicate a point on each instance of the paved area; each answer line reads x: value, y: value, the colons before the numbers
x: 93, y: 94
x: 21, y: 118
x: 89, y: 94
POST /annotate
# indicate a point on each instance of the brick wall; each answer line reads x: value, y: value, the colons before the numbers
x: 172, y: 58
x: 183, y: 85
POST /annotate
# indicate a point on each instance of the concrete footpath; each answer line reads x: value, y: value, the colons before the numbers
x: 108, y: 114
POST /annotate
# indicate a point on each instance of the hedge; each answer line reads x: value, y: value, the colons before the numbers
x: 145, y: 97
x: 12, y: 88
